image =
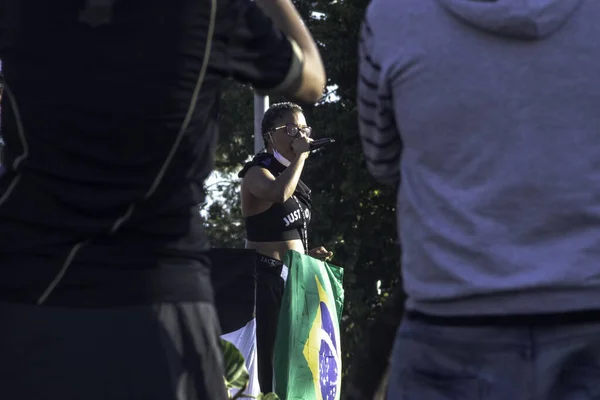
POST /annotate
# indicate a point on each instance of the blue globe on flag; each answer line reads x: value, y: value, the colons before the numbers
x: 328, y: 365
x: 322, y: 351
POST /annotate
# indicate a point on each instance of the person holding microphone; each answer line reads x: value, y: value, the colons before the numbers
x: 277, y: 210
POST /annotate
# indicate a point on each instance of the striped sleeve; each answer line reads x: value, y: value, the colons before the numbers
x: 381, y: 142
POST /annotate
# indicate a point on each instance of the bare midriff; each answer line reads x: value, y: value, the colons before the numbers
x: 276, y: 250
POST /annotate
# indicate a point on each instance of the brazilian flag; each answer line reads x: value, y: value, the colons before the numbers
x: 308, y: 357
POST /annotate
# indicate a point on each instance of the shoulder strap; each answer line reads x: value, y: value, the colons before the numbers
x: 267, y: 161
x: 264, y: 160
x: 261, y: 159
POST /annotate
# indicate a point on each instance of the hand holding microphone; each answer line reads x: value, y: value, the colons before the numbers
x: 320, y: 143
x: 304, y: 144
x: 301, y: 144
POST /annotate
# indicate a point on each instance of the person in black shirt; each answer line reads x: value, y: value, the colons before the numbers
x: 110, y: 116
x: 277, y: 210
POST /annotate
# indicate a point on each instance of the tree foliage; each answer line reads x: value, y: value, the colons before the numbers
x: 353, y: 216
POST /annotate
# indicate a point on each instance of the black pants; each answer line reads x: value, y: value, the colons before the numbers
x: 269, y: 294
x: 154, y: 352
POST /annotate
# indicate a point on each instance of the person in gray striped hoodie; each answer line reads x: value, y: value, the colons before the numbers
x: 485, y: 114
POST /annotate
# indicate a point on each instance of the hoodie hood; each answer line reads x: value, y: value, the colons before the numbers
x: 522, y: 19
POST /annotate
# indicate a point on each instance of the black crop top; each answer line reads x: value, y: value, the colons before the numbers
x: 282, y: 221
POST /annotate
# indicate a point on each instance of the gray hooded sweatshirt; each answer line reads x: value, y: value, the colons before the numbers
x: 488, y: 115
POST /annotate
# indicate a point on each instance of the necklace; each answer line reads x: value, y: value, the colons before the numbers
x: 304, y: 230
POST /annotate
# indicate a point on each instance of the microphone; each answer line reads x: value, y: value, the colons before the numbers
x: 320, y: 143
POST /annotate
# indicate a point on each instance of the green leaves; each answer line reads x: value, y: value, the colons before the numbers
x: 236, y: 374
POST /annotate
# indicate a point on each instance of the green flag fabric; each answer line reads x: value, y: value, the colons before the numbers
x: 308, y: 357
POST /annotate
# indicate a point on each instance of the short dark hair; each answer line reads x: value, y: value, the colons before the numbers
x: 276, y: 112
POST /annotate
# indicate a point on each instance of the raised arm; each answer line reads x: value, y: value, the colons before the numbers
x: 271, y: 48
x: 311, y: 82
x: 264, y: 186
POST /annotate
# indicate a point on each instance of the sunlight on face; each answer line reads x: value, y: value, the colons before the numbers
x: 300, y: 120
x: 284, y: 141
